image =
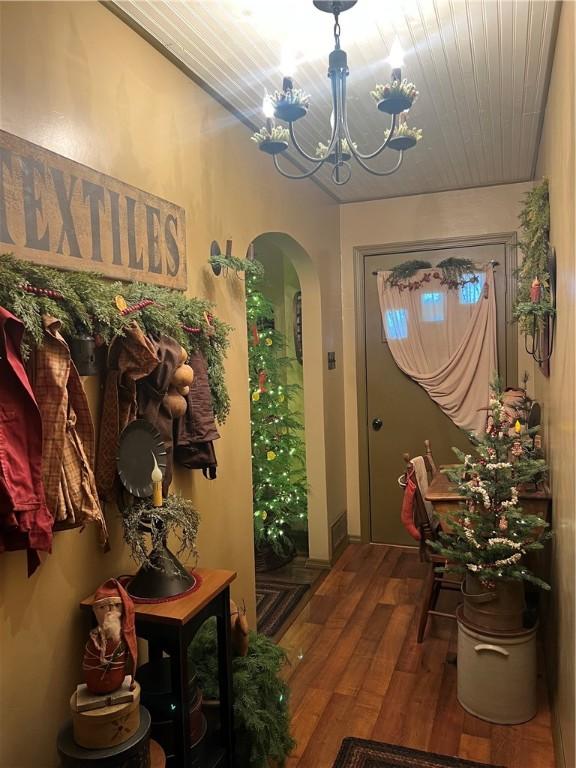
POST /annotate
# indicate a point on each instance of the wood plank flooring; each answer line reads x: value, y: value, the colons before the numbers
x: 356, y: 670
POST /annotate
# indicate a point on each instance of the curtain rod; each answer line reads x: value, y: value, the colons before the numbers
x: 493, y: 262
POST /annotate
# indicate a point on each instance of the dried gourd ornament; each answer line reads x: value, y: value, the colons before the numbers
x: 179, y: 387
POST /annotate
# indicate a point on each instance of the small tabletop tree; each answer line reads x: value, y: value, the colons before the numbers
x: 278, y: 454
x: 492, y: 534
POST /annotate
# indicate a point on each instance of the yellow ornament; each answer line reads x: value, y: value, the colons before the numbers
x: 255, y: 396
x: 270, y: 455
x: 517, y: 427
x: 120, y: 302
x: 268, y: 342
x: 264, y: 515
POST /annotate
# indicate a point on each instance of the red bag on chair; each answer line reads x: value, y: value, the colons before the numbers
x: 407, y: 513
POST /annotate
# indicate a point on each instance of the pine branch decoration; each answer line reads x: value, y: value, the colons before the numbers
x: 261, y: 697
x: 87, y: 307
x: 534, y: 302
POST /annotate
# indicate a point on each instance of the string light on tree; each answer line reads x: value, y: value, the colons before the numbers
x: 278, y: 456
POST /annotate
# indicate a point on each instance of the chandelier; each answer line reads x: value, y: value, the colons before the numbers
x: 291, y: 104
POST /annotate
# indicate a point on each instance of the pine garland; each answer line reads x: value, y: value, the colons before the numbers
x: 87, y: 307
x: 452, y: 272
x: 248, y: 266
x: 261, y: 697
x: 456, y: 272
x: 491, y: 533
x: 406, y: 270
x: 534, y: 303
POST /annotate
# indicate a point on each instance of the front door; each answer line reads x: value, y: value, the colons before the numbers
x: 407, y: 414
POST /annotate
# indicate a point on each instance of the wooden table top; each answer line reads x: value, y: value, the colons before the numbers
x: 443, y: 489
x: 184, y: 608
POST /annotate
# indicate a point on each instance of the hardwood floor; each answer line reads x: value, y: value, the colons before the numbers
x: 356, y: 670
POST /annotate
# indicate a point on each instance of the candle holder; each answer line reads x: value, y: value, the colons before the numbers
x: 146, y: 528
x: 148, y: 519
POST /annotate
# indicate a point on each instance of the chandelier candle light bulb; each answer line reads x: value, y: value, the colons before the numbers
x: 396, y: 61
x: 156, y: 478
x: 268, y: 109
x: 288, y: 68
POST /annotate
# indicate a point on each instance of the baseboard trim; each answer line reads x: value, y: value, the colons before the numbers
x: 354, y: 539
x: 315, y: 562
x: 560, y: 757
x: 339, y: 549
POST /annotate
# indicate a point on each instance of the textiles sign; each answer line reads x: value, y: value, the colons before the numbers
x: 60, y: 213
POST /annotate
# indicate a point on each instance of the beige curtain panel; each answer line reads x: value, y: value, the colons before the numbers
x: 445, y: 339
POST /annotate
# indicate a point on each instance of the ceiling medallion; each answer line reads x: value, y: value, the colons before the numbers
x: 291, y: 104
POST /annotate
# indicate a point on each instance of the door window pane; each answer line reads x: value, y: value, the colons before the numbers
x: 471, y: 292
x: 396, y: 324
x: 432, y: 307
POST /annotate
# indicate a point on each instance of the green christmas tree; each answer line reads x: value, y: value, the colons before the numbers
x: 278, y: 453
x: 492, y: 534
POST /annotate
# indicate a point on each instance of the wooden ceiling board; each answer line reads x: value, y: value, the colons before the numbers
x: 481, y: 66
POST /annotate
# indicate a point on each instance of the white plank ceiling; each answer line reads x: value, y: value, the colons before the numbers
x: 481, y: 67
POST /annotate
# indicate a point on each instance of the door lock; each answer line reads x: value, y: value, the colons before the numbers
x: 377, y: 424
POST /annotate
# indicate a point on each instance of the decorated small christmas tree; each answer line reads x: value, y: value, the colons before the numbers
x: 492, y: 534
x: 278, y: 454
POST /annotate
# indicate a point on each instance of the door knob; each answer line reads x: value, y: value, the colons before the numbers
x: 376, y: 424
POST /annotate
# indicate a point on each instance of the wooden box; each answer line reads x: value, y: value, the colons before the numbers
x: 107, y: 726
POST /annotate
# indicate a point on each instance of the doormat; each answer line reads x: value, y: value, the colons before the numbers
x: 275, y: 601
x: 360, y: 753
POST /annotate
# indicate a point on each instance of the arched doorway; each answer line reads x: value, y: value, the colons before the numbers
x: 285, y: 257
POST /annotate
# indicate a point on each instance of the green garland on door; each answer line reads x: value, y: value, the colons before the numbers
x: 84, y: 302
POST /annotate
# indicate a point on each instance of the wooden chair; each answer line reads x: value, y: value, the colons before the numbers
x: 436, y: 579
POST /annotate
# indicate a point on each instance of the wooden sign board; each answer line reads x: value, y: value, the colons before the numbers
x: 60, y: 213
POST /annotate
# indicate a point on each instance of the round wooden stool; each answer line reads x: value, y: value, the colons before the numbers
x: 133, y: 753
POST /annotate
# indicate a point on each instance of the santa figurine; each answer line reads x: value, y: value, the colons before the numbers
x: 111, y: 651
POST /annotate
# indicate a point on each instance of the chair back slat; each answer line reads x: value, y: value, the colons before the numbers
x: 431, y: 465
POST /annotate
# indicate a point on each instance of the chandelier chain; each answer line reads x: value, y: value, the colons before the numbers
x: 336, y: 32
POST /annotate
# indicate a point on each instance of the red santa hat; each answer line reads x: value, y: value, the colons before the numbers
x: 113, y: 593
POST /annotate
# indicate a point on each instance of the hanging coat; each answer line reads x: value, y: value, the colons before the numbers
x: 25, y: 521
x: 130, y: 358
x: 195, y: 431
x: 152, y: 406
x: 68, y: 433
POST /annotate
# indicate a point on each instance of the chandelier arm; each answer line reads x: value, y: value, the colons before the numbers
x: 381, y: 173
x: 300, y: 150
x: 295, y: 176
x: 381, y: 148
x: 356, y: 153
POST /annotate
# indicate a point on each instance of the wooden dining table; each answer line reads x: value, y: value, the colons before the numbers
x: 444, y: 496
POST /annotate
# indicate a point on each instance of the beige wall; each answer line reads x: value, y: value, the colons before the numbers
x: 443, y: 215
x: 76, y: 80
x: 556, y: 160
